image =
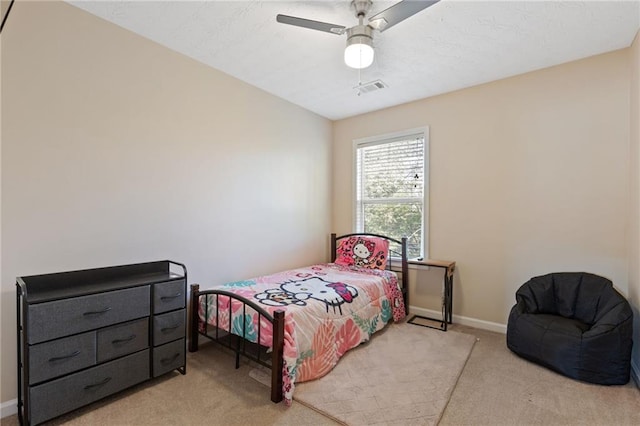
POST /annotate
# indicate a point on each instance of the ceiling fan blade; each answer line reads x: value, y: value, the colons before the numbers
x: 398, y: 12
x: 314, y: 25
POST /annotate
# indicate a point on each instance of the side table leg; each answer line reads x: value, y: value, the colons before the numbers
x: 450, y: 296
x: 445, y: 319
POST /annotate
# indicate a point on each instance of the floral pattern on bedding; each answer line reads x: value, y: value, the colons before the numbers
x: 329, y: 309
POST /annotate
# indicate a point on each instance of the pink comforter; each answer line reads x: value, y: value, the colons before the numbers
x: 329, y: 309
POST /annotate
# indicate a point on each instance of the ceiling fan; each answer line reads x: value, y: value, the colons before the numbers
x: 359, y: 51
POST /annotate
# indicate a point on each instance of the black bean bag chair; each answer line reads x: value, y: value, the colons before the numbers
x: 574, y: 323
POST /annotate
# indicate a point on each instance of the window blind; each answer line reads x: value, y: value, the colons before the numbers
x: 390, y: 189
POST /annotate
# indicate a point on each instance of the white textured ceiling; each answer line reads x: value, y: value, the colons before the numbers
x: 449, y: 46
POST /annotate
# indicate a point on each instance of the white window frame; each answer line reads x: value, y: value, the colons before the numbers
x: 385, y: 138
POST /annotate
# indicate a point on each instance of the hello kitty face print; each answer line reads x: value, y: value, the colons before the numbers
x: 297, y: 292
x: 367, y: 252
x: 362, y: 252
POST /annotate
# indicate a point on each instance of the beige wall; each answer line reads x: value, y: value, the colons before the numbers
x: 4, y: 7
x: 116, y: 150
x: 529, y: 175
x: 634, y: 211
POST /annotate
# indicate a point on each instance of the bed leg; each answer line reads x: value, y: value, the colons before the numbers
x: 193, y: 329
x: 238, y: 343
x: 333, y: 247
x: 405, y: 275
x: 277, y: 363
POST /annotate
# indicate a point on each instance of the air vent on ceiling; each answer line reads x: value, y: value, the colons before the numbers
x: 371, y: 86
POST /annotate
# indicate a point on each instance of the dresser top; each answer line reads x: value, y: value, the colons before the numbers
x: 61, y: 285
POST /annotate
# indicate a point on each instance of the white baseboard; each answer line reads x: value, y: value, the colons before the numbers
x: 458, y: 319
x: 9, y: 408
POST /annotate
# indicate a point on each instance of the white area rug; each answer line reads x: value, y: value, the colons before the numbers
x: 404, y: 375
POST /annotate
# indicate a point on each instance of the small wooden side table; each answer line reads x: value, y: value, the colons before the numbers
x: 447, y: 300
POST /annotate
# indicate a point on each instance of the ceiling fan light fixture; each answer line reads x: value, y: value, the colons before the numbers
x: 359, y: 51
x: 358, y: 54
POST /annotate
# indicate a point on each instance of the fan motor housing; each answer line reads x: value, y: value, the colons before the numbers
x: 360, y: 31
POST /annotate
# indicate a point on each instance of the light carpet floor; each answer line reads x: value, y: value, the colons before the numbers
x: 495, y: 388
x: 498, y: 388
x: 403, y: 376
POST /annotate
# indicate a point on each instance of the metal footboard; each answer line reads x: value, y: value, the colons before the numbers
x: 238, y: 341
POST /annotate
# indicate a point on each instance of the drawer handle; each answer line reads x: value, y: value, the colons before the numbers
x: 125, y: 340
x: 95, y: 385
x: 96, y: 312
x: 169, y: 328
x: 60, y: 358
x: 167, y: 361
x: 164, y: 298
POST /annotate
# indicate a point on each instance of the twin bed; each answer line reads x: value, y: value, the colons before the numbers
x: 300, y: 322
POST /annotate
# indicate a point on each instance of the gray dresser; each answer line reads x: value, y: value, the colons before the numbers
x: 84, y: 335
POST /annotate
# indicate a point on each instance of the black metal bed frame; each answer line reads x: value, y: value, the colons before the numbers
x: 239, y: 344
x: 255, y: 351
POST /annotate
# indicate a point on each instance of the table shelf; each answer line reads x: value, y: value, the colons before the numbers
x: 447, y: 301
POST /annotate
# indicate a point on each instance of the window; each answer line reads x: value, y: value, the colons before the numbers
x: 391, y: 184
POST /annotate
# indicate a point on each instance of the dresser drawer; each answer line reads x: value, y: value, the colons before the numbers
x: 168, y: 357
x: 168, y: 327
x: 123, y: 339
x: 168, y: 296
x: 68, y: 393
x: 60, y: 318
x: 62, y: 356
